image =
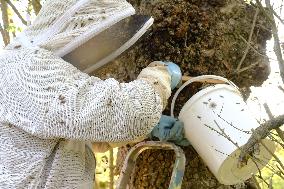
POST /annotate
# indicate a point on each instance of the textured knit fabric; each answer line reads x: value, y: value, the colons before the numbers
x: 50, y: 112
x: 91, y: 18
x: 157, y: 74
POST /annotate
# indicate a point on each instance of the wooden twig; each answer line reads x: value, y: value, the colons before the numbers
x: 241, y: 163
x: 278, y: 130
x: 261, y: 178
x: 274, y: 123
x: 259, y: 133
x: 5, y: 19
x: 281, y: 88
x: 17, y: 12
x: 249, y: 40
x: 252, y: 48
x: 276, y: 140
x: 255, y: 182
x: 13, y: 32
x: 36, y: 5
x: 281, y: 172
x: 277, y: 47
x: 270, y: 182
x: 272, y: 169
x: 275, y: 157
x: 225, y: 135
x: 247, y: 68
x: 3, y: 35
x: 280, y: 134
x: 277, y: 16
x: 270, y: 19
x: 222, y: 133
x: 111, y: 169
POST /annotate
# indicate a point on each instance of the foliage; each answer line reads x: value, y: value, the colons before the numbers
x: 103, y: 169
x: 270, y: 176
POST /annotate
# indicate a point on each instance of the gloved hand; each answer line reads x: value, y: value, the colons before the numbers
x: 175, y: 73
x: 170, y: 129
x: 163, y: 76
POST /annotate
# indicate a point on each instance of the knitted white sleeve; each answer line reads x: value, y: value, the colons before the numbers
x: 47, y: 97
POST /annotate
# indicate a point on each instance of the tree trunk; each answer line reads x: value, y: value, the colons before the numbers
x: 203, y: 37
x: 5, y: 19
x: 36, y: 6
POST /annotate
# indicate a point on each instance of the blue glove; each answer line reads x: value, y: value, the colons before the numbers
x: 175, y: 73
x: 170, y: 129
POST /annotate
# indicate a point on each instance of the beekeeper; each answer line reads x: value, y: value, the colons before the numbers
x: 51, y: 113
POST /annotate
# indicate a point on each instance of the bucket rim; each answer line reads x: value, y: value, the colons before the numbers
x: 202, y: 92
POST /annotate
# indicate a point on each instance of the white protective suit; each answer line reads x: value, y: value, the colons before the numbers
x: 50, y: 111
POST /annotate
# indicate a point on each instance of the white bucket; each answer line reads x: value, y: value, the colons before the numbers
x: 209, y: 114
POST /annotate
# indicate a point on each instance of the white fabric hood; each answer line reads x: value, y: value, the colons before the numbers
x: 63, y: 25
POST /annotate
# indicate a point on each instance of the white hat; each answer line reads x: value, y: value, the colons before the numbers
x: 63, y: 25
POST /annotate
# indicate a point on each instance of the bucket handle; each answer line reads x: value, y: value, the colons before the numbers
x: 199, y: 79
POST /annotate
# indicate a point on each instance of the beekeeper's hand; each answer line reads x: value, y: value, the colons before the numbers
x: 163, y: 76
x: 175, y: 73
x: 171, y: 130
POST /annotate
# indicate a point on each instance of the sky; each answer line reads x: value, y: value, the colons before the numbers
x: 269, y: 92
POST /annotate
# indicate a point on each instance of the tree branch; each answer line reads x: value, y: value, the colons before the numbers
x: 259, y: 133
x: 273, y: 155
x: 278, y: 130
x: 36, y: 5
x: 249, y: 40
x: 13, y: 32
x: 270, y: 19
x: 3, y: 34
x: 252, y: 48
x: 277, y: 16
x: 277, y: 46
x: 274, y: 123
x: 17, y: 12
x: 111, y: 169
x: 5, y: 19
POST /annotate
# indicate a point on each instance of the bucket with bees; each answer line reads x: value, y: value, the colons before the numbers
x: 218, y: 123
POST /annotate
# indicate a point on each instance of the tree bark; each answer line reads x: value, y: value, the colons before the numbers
x: 36, y: 6
x: 202, y: 37
x: 17, y: 12
x: 5, y: 19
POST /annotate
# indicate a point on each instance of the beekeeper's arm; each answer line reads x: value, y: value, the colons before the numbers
x: 150, y: 75
x: 168, y: 128
x: 50, y: 98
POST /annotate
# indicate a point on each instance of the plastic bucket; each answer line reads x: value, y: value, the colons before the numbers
x: 217, y: 122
